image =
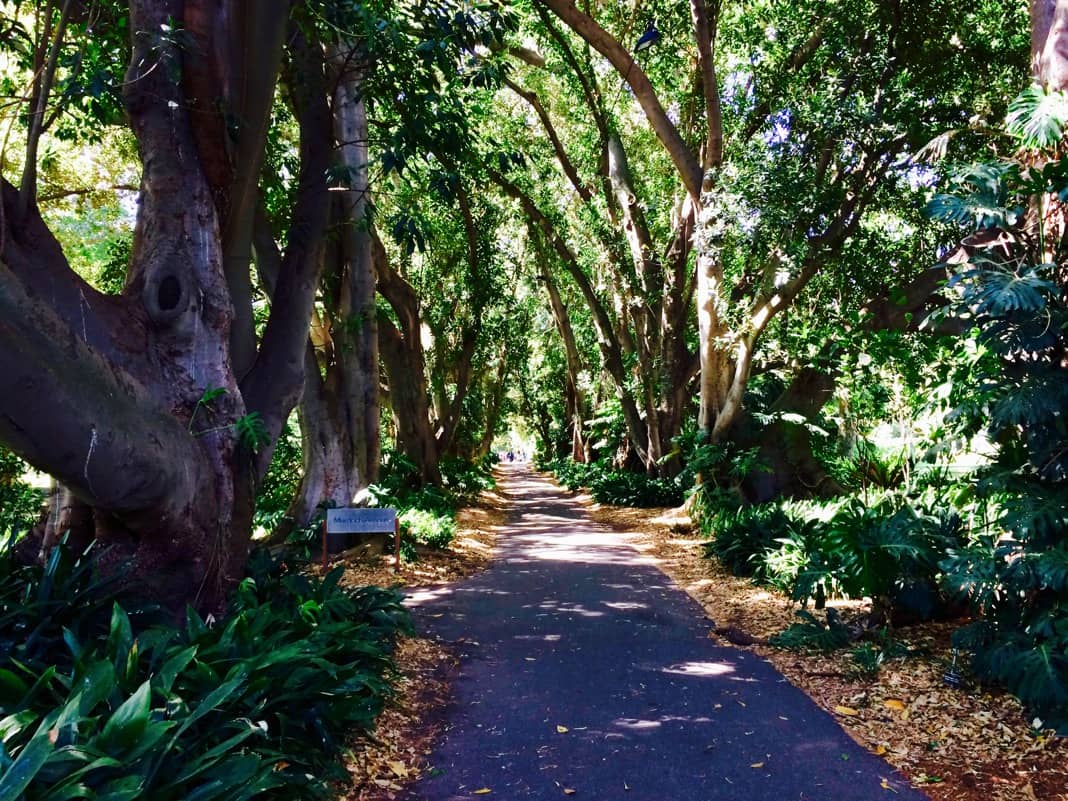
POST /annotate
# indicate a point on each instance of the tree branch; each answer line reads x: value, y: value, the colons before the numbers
x: 272, y: 386
x: 71, y: 412
x: 558, y: 148
x: 686, y: 164
x: 42, y: 90
x: 703, y: 32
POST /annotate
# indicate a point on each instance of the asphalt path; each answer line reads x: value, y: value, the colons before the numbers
x: 585, y: 673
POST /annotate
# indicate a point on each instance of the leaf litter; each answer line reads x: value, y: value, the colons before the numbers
x: 974, y: 744
x: 380, y: 769
x: 971, y: 744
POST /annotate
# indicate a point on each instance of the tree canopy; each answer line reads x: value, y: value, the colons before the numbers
x: 258, y: 259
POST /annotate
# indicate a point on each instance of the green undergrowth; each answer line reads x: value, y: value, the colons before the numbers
x: 615, y: 487
x: 101, y: 699
x: 869, y: 650
x: 428, y: 512
x: 887, y: 546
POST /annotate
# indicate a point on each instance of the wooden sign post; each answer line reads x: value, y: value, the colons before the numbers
x: 360, y: 521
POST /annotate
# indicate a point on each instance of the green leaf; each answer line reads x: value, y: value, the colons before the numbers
x: 95, y: 685
x: 252, y: 431
x: 167, y: 674
x: 29, y: 761
x: 12, y: 688
x: 13, y: 724
x: 1037, y: 117
x: 126, y: 788
x: 120, y: 637
x: 127, y: 723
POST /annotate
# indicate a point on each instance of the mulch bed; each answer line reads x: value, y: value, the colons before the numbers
x: 406, y: 730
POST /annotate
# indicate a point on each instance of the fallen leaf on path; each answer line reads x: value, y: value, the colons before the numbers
x: 846, y: 710
x: 561, y: 729
x: 399, y: 768
x: 568, y: 791
x: 893, y: 703
x: 483, y: 791
x: 886, y: 786
x: 757, y: 765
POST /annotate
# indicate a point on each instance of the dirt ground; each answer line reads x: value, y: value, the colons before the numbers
x: 967, y: 744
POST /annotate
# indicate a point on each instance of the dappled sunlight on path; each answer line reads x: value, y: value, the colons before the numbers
x: 583, y: 668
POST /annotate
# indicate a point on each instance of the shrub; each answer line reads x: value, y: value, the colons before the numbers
x: 466, y: 479
x: 888, y: 550
x: 740, y: 537
x: 1015, y: 574
x: 575, y: 475
x: 621, y: 488
x: 616, y: 487
x: 809, y: 634
x: 256, y: 705
x: 428, y: 528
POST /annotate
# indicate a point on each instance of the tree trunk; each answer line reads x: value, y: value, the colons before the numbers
x: 575, y: 398
x: 401, y: 349
x: 408, y: 395
x: 359, y: 355
x: 119, y: 397
x: 497, y: 389
x: 785, y: 446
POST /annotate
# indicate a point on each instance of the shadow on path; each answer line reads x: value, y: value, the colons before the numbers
x: 572, y: 628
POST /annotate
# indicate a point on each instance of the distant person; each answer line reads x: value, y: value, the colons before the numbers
x: 511, y: 456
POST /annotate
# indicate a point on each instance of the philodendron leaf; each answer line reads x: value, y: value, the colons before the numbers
x: 1037, y: 117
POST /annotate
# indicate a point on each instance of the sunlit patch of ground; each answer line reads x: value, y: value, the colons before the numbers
x: 957, y: 745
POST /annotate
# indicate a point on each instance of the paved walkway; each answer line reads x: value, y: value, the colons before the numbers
x: 586, y: 673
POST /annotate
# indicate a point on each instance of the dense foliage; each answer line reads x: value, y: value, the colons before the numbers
x: 100, y: 699
x: 613, y: 486
x: 19, y: 502
x: 1014, y: 571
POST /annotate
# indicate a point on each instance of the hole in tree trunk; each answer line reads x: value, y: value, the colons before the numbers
x: 169, y: 293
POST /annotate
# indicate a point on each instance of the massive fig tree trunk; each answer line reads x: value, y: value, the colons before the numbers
x: 107, y: 394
